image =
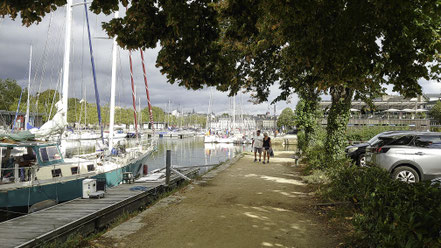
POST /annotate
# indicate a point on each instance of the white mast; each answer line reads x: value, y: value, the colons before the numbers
x: 209, y: 110
x: 140, y: 114
x: 234, y: 112
x: 112, y: 90
x: 29, y: 90
x: 168, y: 114
x: 241, y: 112
x: 66, y: 61
x: 182, y: 115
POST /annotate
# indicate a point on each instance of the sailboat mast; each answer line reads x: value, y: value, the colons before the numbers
x: 140, y: 113
x: 234, y: 112
x: 147, y: 91
x: 209, y: 110
x: 16, y: 112
x: 133, y: 94
x: 29, y: 89
x: 112, y: 90
x: 66, y: 60
x: 97, y: 95
x: 168, y: 114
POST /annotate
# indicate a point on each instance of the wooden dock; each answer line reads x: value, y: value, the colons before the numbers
x: 83, y: 216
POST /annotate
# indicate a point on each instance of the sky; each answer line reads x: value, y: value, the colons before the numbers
x: 47, y: 39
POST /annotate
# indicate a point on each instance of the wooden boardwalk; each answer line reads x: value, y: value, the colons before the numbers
x: 82, y: 216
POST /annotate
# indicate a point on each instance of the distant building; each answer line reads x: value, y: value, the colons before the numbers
x: 266, y: 122
x: 390, y: 110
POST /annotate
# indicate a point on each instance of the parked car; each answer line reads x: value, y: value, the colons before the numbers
x: 359, y: 152
x: 410, y: 157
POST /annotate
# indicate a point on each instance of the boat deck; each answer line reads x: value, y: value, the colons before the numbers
x: 83, y: 216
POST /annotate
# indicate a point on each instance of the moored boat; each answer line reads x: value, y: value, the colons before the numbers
x: 41, y: 173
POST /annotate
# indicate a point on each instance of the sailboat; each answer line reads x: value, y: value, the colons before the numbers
x: 41, y: 173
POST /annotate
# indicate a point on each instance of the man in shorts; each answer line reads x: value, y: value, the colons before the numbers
x: 257, y: 144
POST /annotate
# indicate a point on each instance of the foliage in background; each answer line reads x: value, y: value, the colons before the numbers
x: 10, y: 91
x: 435, y: 112
x: 286, y: 119
x: 83, y: 112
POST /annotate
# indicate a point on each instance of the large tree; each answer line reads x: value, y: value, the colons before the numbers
x: 346, y: 47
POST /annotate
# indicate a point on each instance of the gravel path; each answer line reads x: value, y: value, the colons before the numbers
x: 245, y: 205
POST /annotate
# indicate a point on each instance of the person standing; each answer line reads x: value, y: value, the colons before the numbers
x: 257, y: 144
x: 266, y: 147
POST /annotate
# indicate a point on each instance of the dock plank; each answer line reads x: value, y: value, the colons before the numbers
x: 50, y: 223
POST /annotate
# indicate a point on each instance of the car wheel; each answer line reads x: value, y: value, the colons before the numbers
x: 406, y: 174
x: 362, y: 160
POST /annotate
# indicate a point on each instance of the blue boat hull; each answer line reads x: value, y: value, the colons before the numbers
x: 63, y: 191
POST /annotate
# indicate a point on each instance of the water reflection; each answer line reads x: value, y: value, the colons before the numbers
x: 192, y: 152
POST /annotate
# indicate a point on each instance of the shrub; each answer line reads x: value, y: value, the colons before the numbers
x: 317, y: 177
x: 301, y: 140
x: 389, y: 213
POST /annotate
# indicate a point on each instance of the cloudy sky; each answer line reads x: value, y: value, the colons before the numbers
x: 47, y: 39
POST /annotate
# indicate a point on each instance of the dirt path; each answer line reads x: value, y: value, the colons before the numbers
x: 247, y: 205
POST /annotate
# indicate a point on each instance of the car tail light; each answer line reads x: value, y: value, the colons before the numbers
x: 381, y: 150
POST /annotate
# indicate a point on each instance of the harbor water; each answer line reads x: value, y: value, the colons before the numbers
x: 193, y: 152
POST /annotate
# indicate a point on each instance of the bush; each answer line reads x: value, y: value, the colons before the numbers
x: 317, y: 177
x: 390, y: 213
x: 314, y: 154
x: 301, y: 140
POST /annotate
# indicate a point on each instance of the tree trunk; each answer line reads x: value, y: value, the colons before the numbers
x: 310, y: 96
x: 311, y: 108
x: 337, y: 121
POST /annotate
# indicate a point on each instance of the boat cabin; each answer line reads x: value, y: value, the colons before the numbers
x: 20, y: 160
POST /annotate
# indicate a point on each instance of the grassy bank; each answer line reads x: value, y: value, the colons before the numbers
x: 378, y: 211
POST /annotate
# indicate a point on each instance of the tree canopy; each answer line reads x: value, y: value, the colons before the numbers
x: 341, y: 47
x: 435, y: 112
x: 286, y: 119
x: 251, y: 44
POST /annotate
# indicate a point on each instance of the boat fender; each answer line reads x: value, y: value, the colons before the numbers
x: 145, y: 169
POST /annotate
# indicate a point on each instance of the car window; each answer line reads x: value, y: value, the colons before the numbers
x: 374, y: 139
x: 404, y: 140
x: 428, y: 141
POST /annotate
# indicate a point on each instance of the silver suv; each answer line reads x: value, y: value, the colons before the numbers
x: 410, y: 157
